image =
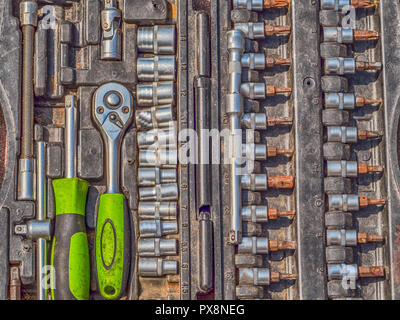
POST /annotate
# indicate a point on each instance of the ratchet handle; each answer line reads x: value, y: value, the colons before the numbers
x: 70, y: 258
x: 112, y: 245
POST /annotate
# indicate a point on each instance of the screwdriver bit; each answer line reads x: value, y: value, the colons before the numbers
x: 343, y: 35
x: 342, y: 66
x: 262, y: 276
x: 260, y: 121
x: 340, y: 4
x: 259, y: 5
x: 362, y: 101
x: 352, y: 271
x: 348, y: 101
x: 345, y: 134
x: 349, y: 169
x: 262, y: 152
x: 255, y: 182
x: 272, y: 90
x: 259, y: 61
x: 350, y: 202
x: 350, y: 238
x: 258, y: 214
x: 262, y: 245
x: 259, y: 30
x: 259, y: 91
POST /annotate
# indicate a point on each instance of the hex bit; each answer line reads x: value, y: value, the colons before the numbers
x: 342, y: 35
x: 260, y: 121
x: 348, y: 101
x: 262, y: 276
x: 259, y: 61
x: 259, y: 214
x: 259, y: 91
x: 352, y: 271
x: 259, y: 5
x: 259, y: 30
x: 255, y: 182
x: 350, y: 238
x: 262, y: 152
x: 262, y: 245
x: 349, y: 134
x: 349, y: 202
x: 349, y: 169
x: 340, y: 4
x: 342, y: 66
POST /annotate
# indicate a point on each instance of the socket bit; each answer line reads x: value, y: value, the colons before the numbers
x: 349, y: 169
x: 262, y: 276
x: 348, y: 101
x: 157, y: 68
x: 155, y: 94
x: 157, y: 228
x: 152, y: 176
x: 259, y: 91
x: 349, y: 134
x: 160, y: 158
x: 342, y: 66
x: 157, y: 247
x: 343, y: 35
x: 258, y: 214
x: 154, y: 117
x: 260, y: 121
x: 262, y: 152
x: 340, y: 4
x: 255, y: 182
x: 258, y: 61
x: 350, y: 238
x: 352, y: 271
x: 159, y: 39
x: 261, y: 245
x: 156, y: 138
x: 161, y: 192
x: 156, y: 267
x: 259, y: 30
x: 157, y: 210
x: 259, y: 5
x: 349, y: 202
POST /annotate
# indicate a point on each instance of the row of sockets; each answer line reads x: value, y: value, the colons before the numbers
x: 157, y: 151
x: 250, y: 210
x: 340, y: 237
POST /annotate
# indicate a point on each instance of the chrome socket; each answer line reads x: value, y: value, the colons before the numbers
x: 155, y: 94
x: 344, y: 238
x: 253, y: 61
x: 28, y: 13
x: 251, y: 151
x: 160, y: 158
x: 254, y: 182
x: 161, y: 192
x: 158, y: 138
x: 154, y: 117
x: 343, y: 202
x: 251, y: 5
x: 254, y: 245
x: 343, y: 168
x: 157, y: 68
x: 253, y: 91
x: 254, y: 276
x: 340, y: 66
x: 342, y: 134
x: 111, y: 41
x: 255, y: 121
x: 156, y: 267
x: 157, y: 247
x: 255, y: 214
x: 152, y: 176
x: 157, y: 228
x: 26, y: 180
x: 338, y: 34
x: 34, y: 229
x: 251, y: 30
x: 342, y: 101
x: 157, y: 39
x: 157, y: 210
x: 342, y: 271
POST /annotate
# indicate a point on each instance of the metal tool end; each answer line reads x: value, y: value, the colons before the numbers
x: 364, y: 168
x: 270, y: 30
x: 281, y: 182
x: 370, y: 272
x: 366, y: 238
x: 362, y: 101
x: 274, y: 214
x: 272, y: 90
x: 15, y: 283
x: 365, y: 66
x: 366, y: 134
x: 235, y: 236
x: 282, y: 121
x: 270, y: 4
x: 26, y: 180
x: 366, y: 35
x: 362, y: 3
x: 28, y: 13
x: 277, y: 276
x: 273, y: 152
x: 275, y: 245
x: 271, y: 62
x: 365, y: 202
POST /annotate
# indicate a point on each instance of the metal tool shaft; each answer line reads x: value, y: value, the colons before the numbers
x: 71, y: 132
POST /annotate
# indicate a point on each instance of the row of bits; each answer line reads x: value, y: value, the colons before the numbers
x: 157, y: 176
x: 340, y: 169
x: 249, y: 212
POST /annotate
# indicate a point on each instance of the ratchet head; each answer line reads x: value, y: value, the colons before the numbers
x: 113, y: 110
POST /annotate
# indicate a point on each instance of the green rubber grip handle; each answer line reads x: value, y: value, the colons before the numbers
x: 70, y: 259
x: 112, y: 245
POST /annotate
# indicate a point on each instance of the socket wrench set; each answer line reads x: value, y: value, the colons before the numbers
x: 199, y: 150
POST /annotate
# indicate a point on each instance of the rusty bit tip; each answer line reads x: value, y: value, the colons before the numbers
x: 363, y: 168
x: 362, y: 101
x: 366, y: 238
x: 272, y: 90
x: 270, y: 30
x: 274, y: 214
x: 271, y: 62
x: 376, y: 202
x: 281, y: 182
x: 366, y: 35
x: 365, y: 66
x: 362, y: 3
x: 273, y: 121
x: 275, y: 245
x: 366, y: 134
x: 270, y: 4
x: 277, y: 276
x: 369, y: 272
x: 288, y: 152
